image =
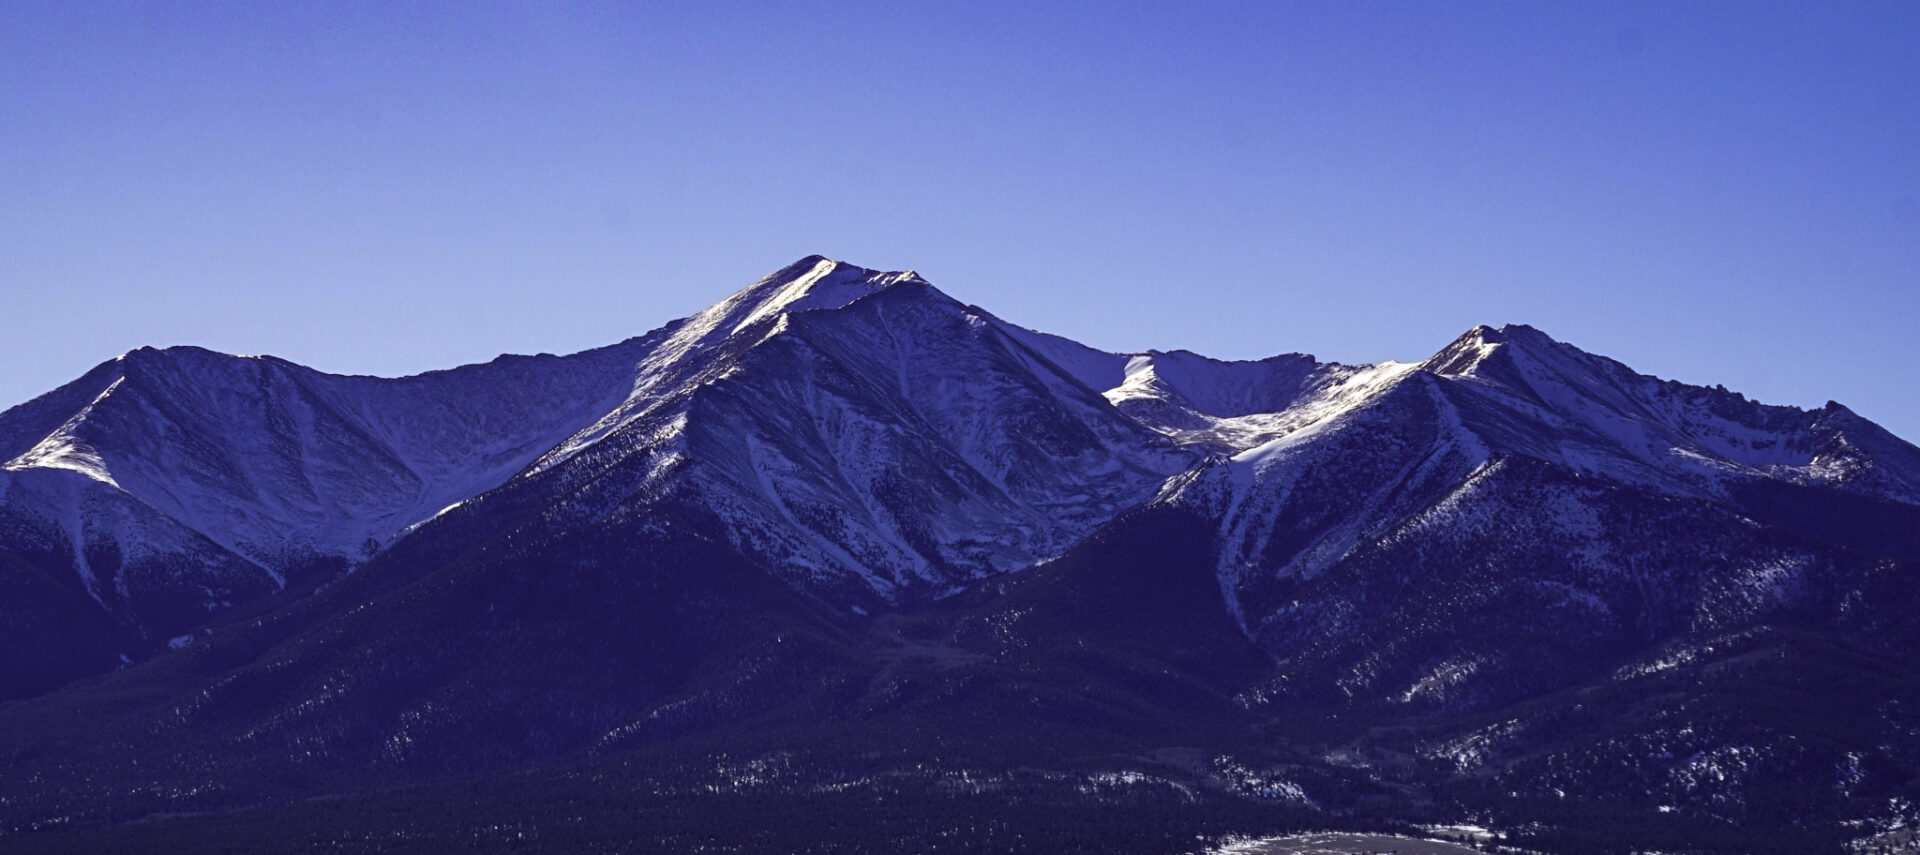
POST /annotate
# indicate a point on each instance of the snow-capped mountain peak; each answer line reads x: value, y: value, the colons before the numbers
x: 1529, y: 393
x: 258, y: 468
x: 1468, y: 353
x: 704, y: 347
x: 814, y: 282
x: 854, y: 431
x: 858, y: 426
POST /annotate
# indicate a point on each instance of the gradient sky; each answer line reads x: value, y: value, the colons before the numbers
x: 1715, y: 192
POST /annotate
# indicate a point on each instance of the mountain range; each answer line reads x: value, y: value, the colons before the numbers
x: 889, y: 573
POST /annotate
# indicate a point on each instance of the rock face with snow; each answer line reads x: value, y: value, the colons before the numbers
x: 1393, y: 450
x: 858, y: 431
x: 1430, y: 548
x: 280, y: 464
x: 166, y: 486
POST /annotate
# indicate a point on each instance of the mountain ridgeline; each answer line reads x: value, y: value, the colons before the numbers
x: 885, y: 572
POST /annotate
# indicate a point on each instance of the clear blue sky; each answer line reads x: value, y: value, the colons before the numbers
x: 1715, y: 192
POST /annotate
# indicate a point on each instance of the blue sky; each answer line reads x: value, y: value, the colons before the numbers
x: 1714, y: 192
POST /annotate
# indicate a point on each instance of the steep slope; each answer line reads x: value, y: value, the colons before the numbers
x: 1592, y: 414
x: 861, y: 433
x: 281, y: 464
x: 165, y: 487
x: 1393, y: 444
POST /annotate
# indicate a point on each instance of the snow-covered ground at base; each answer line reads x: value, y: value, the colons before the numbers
x: 1339, y: 843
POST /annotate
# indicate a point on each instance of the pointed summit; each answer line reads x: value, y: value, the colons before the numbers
x: 1466, y: 352
x: 1475, y: 346
x: 812, y: 283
